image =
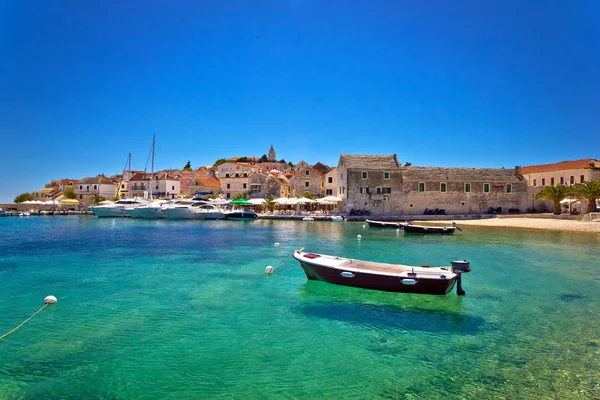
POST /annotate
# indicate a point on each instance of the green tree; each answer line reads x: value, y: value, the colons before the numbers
x: 240, y: 196
x: 219, y: 162
x: 309, y: 196
x: 188, y: 167
x: 270, y: 202
x: 69, y: 193
x: 97, y: 199
x: 589, y: 191
x: 291, y: 165
x: 243, y: 159
x: 23, y: 197
x: 555, y: 194
x: 264, y: 158
x: 282, y: 161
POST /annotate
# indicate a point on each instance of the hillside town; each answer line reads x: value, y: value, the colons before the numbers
x: 370, y: 184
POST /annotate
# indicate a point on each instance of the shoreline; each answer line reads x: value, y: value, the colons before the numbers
x: 564, y: 225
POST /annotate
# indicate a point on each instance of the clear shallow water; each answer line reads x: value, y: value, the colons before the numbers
x: 176, y: 310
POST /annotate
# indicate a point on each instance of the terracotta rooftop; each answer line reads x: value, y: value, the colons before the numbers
x: 561, y: 166
x: 459, y: 174
x: 322, y: 168
x: 101, y: 180
x: 369, y: 162
x: 209, y: 182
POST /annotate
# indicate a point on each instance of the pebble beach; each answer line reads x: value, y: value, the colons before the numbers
x: 535, y: 223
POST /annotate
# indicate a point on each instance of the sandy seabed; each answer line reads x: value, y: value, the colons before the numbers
x: 534, y: 223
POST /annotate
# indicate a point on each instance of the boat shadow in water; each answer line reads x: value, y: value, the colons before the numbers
x: 380, y: 317
x: 382, y: 310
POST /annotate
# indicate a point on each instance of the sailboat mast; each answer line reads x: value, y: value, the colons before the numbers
x: 152, y: 168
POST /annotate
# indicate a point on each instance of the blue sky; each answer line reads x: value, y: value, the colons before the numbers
x: 446, y: 83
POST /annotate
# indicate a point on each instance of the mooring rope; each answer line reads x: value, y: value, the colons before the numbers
x: 23, y: 323
x: 478, y: 284
x: 283, y: 262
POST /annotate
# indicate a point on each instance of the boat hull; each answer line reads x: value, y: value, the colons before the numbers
x: 151, y: 213
x: 383, y: 224
x: 241, y: 216
x: 181, y: 213
x: 398, y: 283
x: 108, y: 212
x: 212, y: 215
x: 440, y: 230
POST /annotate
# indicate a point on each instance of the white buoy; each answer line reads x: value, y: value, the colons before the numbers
x: 364, y: 226
x: 358, y: 237
x: 277, y: 244
x: 398, y: 230
x: 269, y: 270
x: 50, y: 300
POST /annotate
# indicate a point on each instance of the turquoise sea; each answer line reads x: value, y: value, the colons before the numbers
x: 184, y: 310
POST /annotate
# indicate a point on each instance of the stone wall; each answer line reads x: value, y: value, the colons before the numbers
x: 377, y: 203
x: 456, y: 201
x: 316, y: 183
x: 41, y: 207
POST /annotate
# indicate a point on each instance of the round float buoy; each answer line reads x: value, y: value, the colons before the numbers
x: 277, y: 244
x: 358, y: 237
x: 398, y: 230
x: 50, y: 300
x: 269, y: 270
x: 364, y: 226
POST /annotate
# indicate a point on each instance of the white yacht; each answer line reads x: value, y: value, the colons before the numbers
x: 118, y: 208
x: 154, y: 210
x: 210, y: 211
x: 185, y: 209
x: 2, y: 213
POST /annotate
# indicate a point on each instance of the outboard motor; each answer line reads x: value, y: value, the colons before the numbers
x: 459, y: 267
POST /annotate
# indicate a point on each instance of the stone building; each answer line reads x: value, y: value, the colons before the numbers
x: 161, y: 184
x: 461, y: 190
x: 87, y: 188
x: 369, y: 182
x: 205, y: 184
x: 268, y: 166
x: 250, y: 183
x: 272, y: 156
x: 278, y: 186
x: 331, y: 182
x: 300, y: 166
x: 381, y: 185
x: 309, y: 181
x: 229, y: 169
x: 562, y: 173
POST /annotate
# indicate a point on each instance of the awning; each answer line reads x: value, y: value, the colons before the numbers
x: 69, y: 201
x: 569, y: 201
x: 332, y: 199
x: 241, y: 202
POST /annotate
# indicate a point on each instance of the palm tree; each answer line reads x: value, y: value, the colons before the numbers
x: 589, y: 191
x: 270, y: 204
x: 555, y: 194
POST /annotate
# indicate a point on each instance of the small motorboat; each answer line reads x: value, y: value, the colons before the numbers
x: 383, y: 276
x: 337, y: 218
x: 241, y: 215
x: 308, y: 219
x: 441, y: 230
x: 384, y: 224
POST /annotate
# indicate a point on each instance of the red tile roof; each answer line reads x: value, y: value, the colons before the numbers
x: 561, y: 166
x: 209, y: 182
